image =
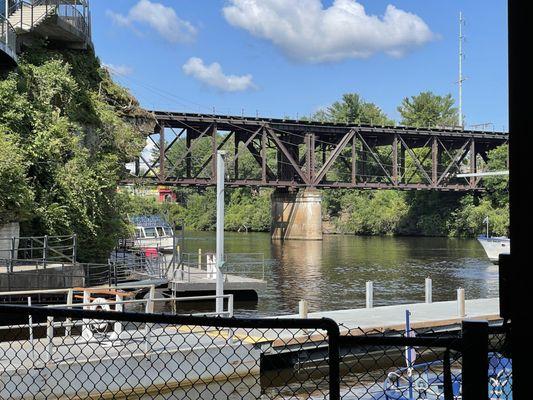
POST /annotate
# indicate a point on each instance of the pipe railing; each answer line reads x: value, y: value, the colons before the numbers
x: 8, y: 38
x: 70, y: 13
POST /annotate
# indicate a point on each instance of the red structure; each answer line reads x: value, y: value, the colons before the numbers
x: 166, y: 194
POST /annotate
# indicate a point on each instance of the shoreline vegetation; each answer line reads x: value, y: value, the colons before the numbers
x: 67, y: 131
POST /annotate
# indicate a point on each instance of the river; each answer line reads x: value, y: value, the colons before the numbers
x: 331, y: 274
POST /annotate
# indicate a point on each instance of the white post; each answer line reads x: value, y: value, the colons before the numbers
x: 119, y: 307
x: 369, y: 294
x: 148, y: 326
x: 30, y: 327
x: 86, y: 329
x: 429, y: 290
x: 199, y: 258
x: 303, y: 308
x: 461, y: 307
x: 49, y: 337
x: 220, y: 232
x: 68, y: 326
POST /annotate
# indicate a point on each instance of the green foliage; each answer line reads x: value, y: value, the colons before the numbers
x: 428, y: 109
x: 247, y: 211
x: 353, y: 110
x: 372, y: 213
x: 16, y: 196
x: 67, y: 137
x: 468, y: 219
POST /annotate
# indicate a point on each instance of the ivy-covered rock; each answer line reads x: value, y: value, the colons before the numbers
x: 66, y: 132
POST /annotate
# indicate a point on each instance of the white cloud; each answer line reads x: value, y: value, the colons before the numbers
x: 159, y: 17
x: 123, y: 70
x: 306, y: 31
x: 212, y: 75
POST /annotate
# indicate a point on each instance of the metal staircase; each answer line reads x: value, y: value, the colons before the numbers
x: 66, y: 21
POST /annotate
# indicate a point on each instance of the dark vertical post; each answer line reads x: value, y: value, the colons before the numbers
x: 264, y: 156
x: 308, y: 155
x: 354, y: 159
x: 188, y: 158
x: 334, y: 362
x: 363, y: 164
x: 236, y: 138
x: 434, y: 161
x: 395, y: 159
x: 214, y: 152
x: 475, y: 360
x: 401, y: 178
x: 312, y: 143
x: 162, y: 146
x: 473, y: 163
x: 520, y: 79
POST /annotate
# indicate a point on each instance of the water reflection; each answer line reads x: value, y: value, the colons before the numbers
x: 331, y: 274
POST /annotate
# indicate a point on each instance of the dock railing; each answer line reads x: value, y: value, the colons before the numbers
x: 184, y: 356
x: 202, y: 264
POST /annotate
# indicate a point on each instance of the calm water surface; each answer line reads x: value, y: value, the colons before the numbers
x: 331, y: 274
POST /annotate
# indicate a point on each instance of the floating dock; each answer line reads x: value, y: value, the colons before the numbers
x: 196, y: 282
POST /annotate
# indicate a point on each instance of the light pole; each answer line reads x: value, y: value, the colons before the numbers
x: 220, y: 232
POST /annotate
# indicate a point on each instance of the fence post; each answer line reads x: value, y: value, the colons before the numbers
x: 475, y: 360
x: 30, y: 328
x: 334, y: 361
x: 49, y: 338
x: 119, y: 307
x: 148, y: 326
x: 303, y: 308
x: 68, y: 327
x: 199, y: 258
x: 369, y: 294
x: 429, y: 290
x: 461, y: 306
x: 74, y: 248
x: 45, y: 249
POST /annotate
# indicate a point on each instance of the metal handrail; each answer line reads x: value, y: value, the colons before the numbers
x: 68, y: 13
x: 8, y: 37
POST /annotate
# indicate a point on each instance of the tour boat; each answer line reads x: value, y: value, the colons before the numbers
x: 152, y: 232
x: 494, y: 246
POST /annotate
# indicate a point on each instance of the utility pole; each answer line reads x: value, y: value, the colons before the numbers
x: 461, y: 78
x: 220, y: 233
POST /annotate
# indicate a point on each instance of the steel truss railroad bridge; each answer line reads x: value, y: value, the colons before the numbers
x: 301, y: 154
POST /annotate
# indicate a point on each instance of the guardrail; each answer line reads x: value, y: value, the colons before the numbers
x: 8, y: 38
x: 76, y: 15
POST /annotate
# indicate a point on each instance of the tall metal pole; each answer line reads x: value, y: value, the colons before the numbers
x: 461, y: 79
x: 220, y: 232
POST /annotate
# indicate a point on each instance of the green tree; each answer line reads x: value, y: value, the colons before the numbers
x: 352, y: 109
x: 428, y: 110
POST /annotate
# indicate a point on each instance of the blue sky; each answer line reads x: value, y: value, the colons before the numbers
x: 290, y: 58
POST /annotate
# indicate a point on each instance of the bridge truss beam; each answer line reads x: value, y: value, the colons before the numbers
x: 296, y: 154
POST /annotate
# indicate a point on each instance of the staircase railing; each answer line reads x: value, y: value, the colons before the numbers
x: 68, y: 12
x: 8, y: 38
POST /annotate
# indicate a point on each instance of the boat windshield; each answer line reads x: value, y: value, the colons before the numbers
x: 138, y: 233
x: 150, y: 232
x: 160, y: 231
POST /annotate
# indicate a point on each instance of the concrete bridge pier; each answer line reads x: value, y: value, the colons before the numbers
x: 296, y: 214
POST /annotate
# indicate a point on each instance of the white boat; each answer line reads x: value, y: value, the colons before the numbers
x: 494, y: 246
x: 152, y: 232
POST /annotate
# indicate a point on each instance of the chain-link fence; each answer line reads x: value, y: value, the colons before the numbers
x: 99, y: 353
